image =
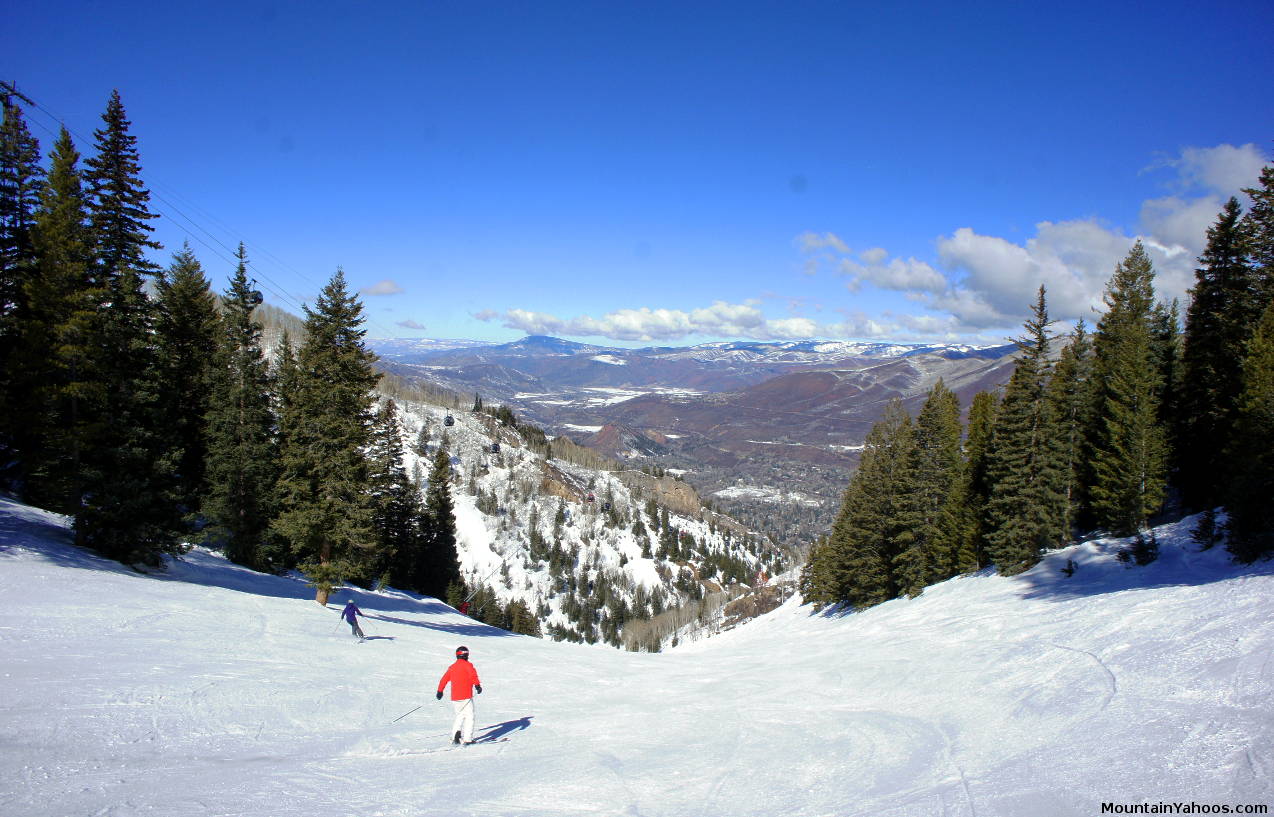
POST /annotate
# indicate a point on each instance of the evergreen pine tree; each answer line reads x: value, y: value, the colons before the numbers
x: 971, y: 553
x: 119, y: 213
x: 1069, y: 392
x: 438, y: 569
x: 325, y: 514
x: 395, y: 500
x: 242, y: 452
x: 928, y: 554
x: 1026, y: 504
x: 21, y: 184
x: 1258, y: 231
x: 129, y: 510
x: 856, y: 565
x: 55, y: 397
x: 1128, y: 443
x: 1224, y: 309
x: 1250, y: 527
x: 187, y: 328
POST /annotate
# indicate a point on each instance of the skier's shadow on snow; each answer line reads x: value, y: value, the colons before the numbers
x: 474, y: 628
x: 499, y: 730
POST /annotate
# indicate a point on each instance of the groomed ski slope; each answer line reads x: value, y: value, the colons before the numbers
x: 211, y: 690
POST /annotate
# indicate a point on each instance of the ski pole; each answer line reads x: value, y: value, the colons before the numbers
x: 405, y: 714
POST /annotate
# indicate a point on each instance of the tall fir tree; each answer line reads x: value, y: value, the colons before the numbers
x: 1069, y: 393
x: 21, y: 183
x: 927, y: 505
x: 120, y: 212
x: 130, y: 510
x: 971, y: 553
x: 1250, y: 528
x: 1130, y: 455
x: 187, y: 327
x: 242, y: 449
x: 55, y: 397
x: 1258, y: 231
x: 395, y: 501
x: 1025, y: 509
x: 325, y: 512
x: 438, y: 569
x: 856, y: 565
x: 1224, y: 309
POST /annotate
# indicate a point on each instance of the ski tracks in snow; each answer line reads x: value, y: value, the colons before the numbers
x: 1110, y: 676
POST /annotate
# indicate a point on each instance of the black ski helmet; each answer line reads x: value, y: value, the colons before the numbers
x: 462, y: 652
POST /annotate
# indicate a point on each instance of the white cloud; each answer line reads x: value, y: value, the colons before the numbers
x: 991, y: 281
x: 386, y: 287
x: 813, y: 242
x: 1224, y: 169
x: 903, y: 275
x: 410, y: 324
x: 721, y: 319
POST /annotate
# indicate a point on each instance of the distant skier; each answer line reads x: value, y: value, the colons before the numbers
x: 350, y: 614
x: 464, y: 682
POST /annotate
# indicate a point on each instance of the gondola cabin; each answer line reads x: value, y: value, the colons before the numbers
x: 449, y: 420
x: 495, y: 448
x: 255, y: 298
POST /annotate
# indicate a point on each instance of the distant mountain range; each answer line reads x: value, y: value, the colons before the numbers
x: 776, y: 418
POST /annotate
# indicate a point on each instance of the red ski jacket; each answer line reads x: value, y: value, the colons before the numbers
x: 463, y: 678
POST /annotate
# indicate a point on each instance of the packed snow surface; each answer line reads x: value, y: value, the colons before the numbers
x: 211, y: 690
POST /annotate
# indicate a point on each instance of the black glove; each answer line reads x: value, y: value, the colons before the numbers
x: 440, y: 695
x: 478, y: 687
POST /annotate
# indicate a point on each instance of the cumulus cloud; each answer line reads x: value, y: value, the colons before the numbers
x: 873, y: 267
x: 1223, y: 169
x: 813, y: 242
x: 987, y: 282
x: 721, y: 319
x: 385, y: 287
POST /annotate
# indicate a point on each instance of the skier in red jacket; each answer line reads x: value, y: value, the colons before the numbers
x: 464, y: 682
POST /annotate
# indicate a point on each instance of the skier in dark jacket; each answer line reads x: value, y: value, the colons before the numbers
x: 350, y: 614
x: 464, y: 682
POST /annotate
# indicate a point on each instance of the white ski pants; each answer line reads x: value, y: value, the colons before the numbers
x: 464, y: 720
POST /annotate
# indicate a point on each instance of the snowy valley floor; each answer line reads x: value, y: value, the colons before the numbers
x: 211, y: 690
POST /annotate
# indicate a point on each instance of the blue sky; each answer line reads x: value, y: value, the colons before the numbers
x: 671, y: 173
